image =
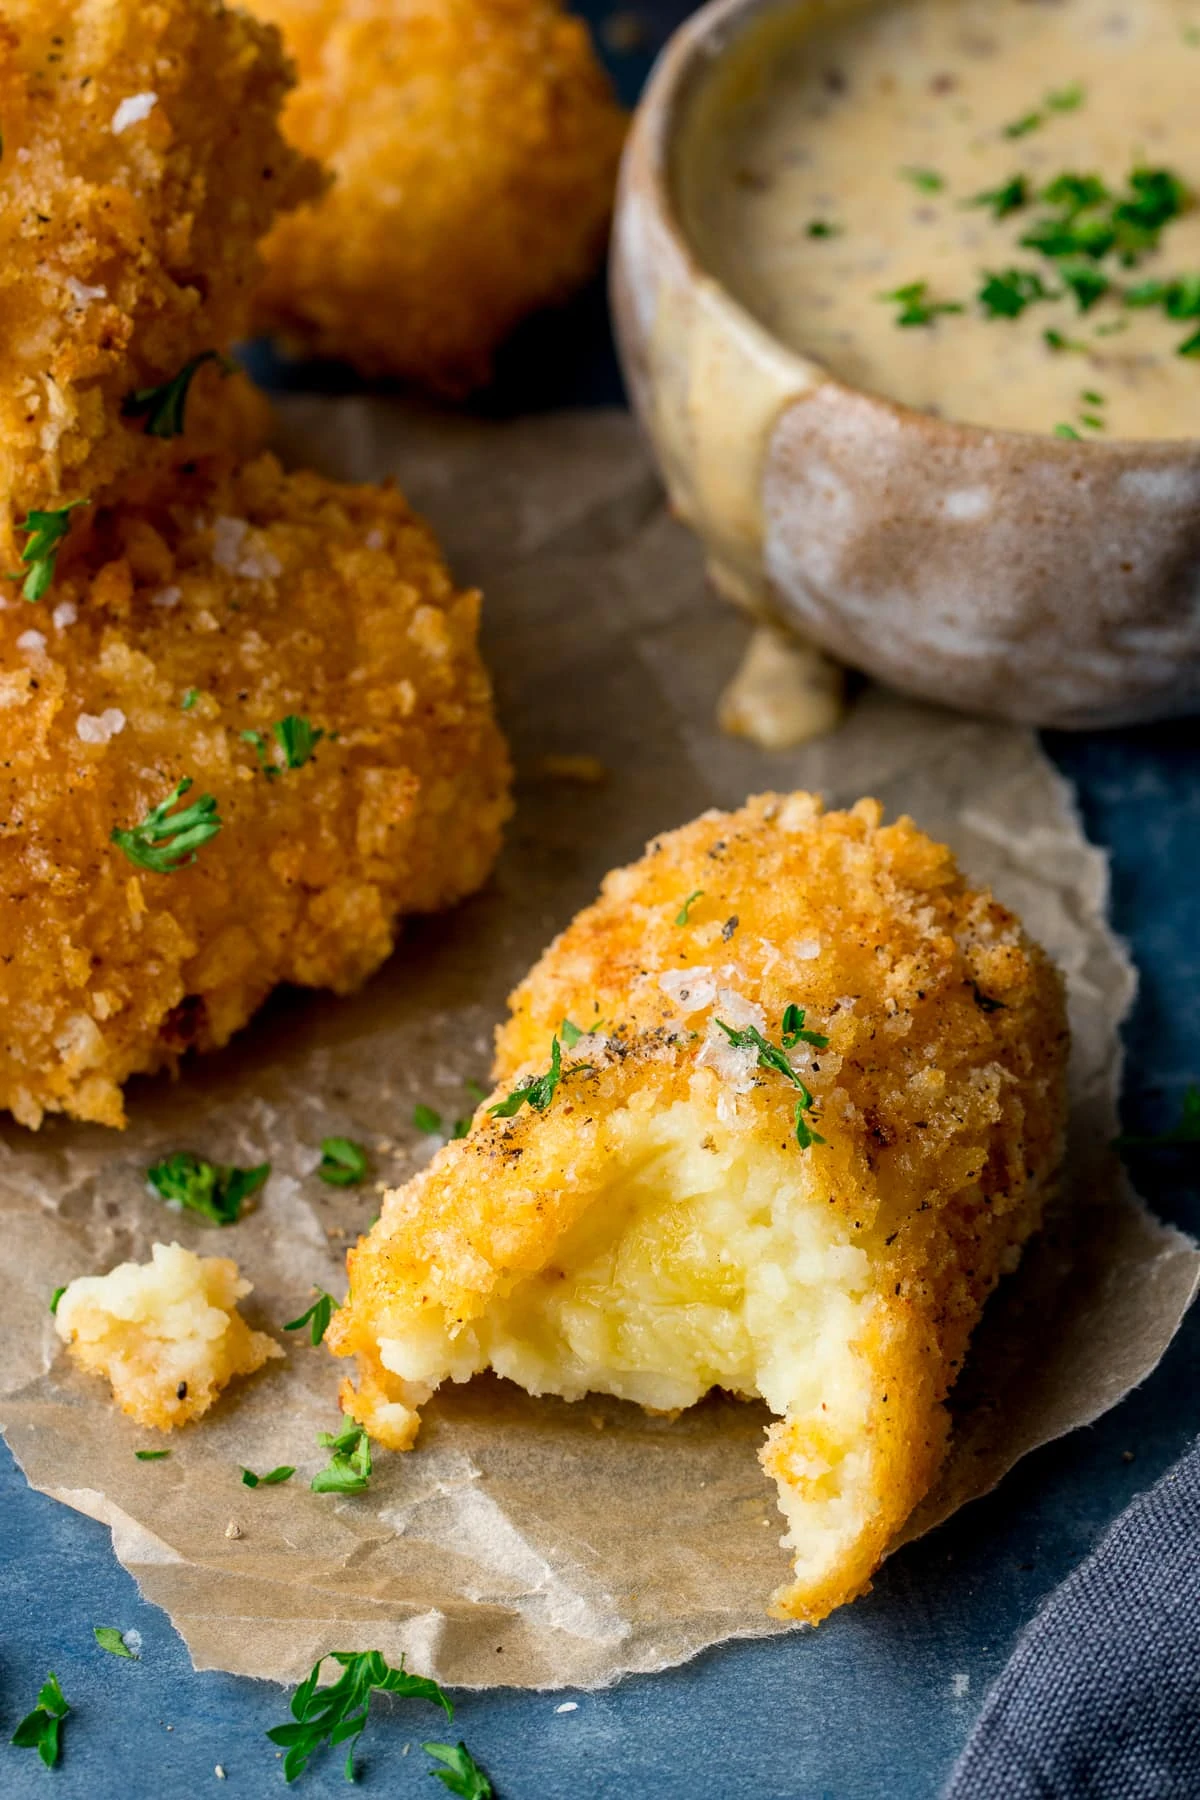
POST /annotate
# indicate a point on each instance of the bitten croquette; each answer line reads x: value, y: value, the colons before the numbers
x: 474, y: 145
x: 142, y: 161
x: 297, y: 652
x: 167, y: 1334
x: 773, y: 1115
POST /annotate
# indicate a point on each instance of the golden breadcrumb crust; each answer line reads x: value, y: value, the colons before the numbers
x: 142, y: 161
x: 941, y: 1098
x: 232, y: 599
x: 167, y: 1334
x: 474, y: 145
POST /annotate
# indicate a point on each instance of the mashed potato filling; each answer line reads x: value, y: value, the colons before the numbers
x: 710, y: 1259
x: 166, y: 1333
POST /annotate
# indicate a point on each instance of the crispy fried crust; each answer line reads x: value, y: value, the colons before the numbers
x: 125, y: 252
x: 475, y: 146
x: 267, y: 594
x: 941, y: 1097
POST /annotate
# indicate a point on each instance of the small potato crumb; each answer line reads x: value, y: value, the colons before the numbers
x: 166, y: 1333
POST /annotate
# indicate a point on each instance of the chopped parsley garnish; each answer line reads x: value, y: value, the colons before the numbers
x: 163, y: 407
x: 823, y: 228
x: 295, y: 735
x: 1086, y: 283
x: 1059, y: 100
x: 1179, y: 299
x: 317, y: 1317
x: 1066, y: 431
x: 348, y: 1470
x: 793, y: 1030
x: 927, y: 180
x: 475, y: 1090
x: 1005, y: 294
x: 1091, y: 397
x: 151, y: 1455
x: 683, y: 916
x: 426, y: 1120
x: 570, y: 1033
x: 167, y: 841
x: 110, y: 1639
x: 343, y: 1162
x: 771, y: 1056
x: 1186, y: 1132
x: 1001, y: 201
x: 536, y: 1090
x: 217, y: 1191
x: 462, y: 1774
x: 46, y: 529
x: 189, y: 699
x: 1190, y: 346
x: 275, y: 1476
x: 337, y: 1714
x: 916, y: 308
x: 56, y: 1296
x: 1155, y: 197
x: 1057, y: 341
x: 41, y: 1729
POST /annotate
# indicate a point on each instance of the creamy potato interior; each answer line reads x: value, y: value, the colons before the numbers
x: 714, y: 1259
x: 840, y: 158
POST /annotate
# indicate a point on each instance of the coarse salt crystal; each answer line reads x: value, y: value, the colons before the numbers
x: 734, y: 1064
x: 133, y: 1641
x: 739, y: 1012
x: 132, y: 111
x: 31, y: 640
x: 690, y: 989
x: 81, y: 294
x: 568, y: 1706
x: 64, y: 614
x: 375, y: 539
x: 232, y: 552
x: 168, y: 596
x: 97, y: 728
x: 807, y: 950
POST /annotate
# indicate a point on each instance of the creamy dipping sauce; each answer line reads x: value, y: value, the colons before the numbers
x: 834, y: 160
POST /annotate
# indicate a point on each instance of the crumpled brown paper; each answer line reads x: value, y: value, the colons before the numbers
x: 532, y: 1542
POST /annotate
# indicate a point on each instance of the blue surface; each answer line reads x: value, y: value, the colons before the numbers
x: 867, y: 1708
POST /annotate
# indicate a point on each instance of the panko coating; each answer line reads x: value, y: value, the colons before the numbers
x: 817, y: 1110
x: 235, y: 601
x: 142, y: 161
x: 167, y: 1334
x: 474, y: 145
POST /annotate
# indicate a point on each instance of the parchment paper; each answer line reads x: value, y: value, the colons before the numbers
x: 532, y: 1542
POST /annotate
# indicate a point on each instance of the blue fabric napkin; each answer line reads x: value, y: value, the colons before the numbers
x: 1101, y: 1698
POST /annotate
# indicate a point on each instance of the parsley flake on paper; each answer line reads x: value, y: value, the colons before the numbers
x: 165, y: 841
x: 348, y: 1470
x: 317, y: 1317
x: 343, y: 1162
x: 337, y: 1714
x: 462, y: 1774
x: 217, y: 1191
x: 274, y: 1477
x: 41, y: 1729
x: 110, y: 1639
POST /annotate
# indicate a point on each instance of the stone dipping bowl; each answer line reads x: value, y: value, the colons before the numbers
x: 1029, y: 577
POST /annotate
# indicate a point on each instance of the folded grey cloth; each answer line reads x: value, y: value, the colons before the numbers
x: 1101, y: 1697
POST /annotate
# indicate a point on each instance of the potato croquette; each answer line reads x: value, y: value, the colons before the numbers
x: 296, y: 651
x: 167, y: 1333
x: 816, y: 1109
x: 142, y: 161
x: 474, y: 145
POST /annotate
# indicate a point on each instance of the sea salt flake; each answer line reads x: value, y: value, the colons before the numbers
x: 132, y: 111
x: 807, y: 949
x: 97, y: 728
x: 168, y: 596
x: 689, y: 989
x: 81, y: 294
x: 64, y: 614
x: 235, y: 551
x: 568, y: 1706
x: 31, y: 640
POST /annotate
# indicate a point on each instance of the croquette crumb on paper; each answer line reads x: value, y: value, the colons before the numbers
x: 528, y: 1542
